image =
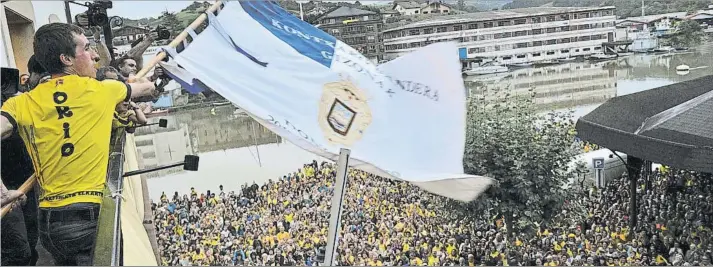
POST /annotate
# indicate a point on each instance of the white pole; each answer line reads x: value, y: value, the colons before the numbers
x: 302, y: 14
x: 335, y: 214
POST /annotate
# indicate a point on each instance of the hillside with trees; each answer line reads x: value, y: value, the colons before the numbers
x: 624, y: 8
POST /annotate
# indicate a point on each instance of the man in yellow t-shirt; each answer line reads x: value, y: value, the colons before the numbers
x: 65, y: 123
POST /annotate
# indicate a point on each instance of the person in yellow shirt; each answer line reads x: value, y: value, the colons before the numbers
x: 65, y: 123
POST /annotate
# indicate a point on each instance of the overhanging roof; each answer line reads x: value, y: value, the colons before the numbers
x: 671, y: 125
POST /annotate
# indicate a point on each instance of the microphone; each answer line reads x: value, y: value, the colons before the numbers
x: 190, y: 163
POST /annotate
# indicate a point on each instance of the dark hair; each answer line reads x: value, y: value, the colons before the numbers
x: 101, y: 72
x: 117, y: 63
x: 53, y: 40
x: 34, y: 67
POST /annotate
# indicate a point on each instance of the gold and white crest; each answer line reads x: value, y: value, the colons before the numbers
x: 344, y: 113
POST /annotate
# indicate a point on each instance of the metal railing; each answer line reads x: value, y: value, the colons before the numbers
x: 109, y: 228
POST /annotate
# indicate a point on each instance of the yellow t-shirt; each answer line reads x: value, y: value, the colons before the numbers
x: 122, y: 120
x: 66, y: 124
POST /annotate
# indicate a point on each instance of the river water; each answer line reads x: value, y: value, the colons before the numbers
x: 235, y: 150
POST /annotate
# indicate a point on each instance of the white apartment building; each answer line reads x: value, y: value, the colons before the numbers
x: 556, y: 87
x: 511, y: 36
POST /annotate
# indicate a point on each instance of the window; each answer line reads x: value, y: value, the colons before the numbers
x: 521, y: 56
x: 334, y: 31
x: 416, y: 12
x: 520, y: 21
x: 496, y: 47
x: 564, y: 51
x: 148, y: 142
x: 536, y: 31
x: 586, y: 49
x: 549, y: 53
x: 583, y: 15
x: 365, y: 18
x: 598, y: 48
x: 503, y: 23
x: 472, y: 26
x: 536, y: 54
x: 370, y: 28
x: 551, y: 30
x: 520, y: 33
x: 414, y: 32
x: 551, y: 18
x: 507, y: 58
x: 414, y: 44
x: 536, y: 20
x: 564, y: 17
x: 551, y: 42
x: 564, y: 41
x: 576, y: 50
x: 441, y: 29
x: 457, y: 27
x: 371, y: 38
x: 521, y: 45
x: 428, y: 31
x: 507, y: 35
x: 585, y: 38
x: 564, y: 28
x: 488, y: 24
x: 537, y: 43
x: 425, y: 12
x: 472, y: 50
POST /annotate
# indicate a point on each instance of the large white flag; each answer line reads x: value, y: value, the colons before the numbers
x: 403, y: 120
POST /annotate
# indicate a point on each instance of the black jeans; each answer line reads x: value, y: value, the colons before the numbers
x: 15, y: 248
x: 69, y: 233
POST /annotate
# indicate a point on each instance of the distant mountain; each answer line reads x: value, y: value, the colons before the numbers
x: 184, y: 17
x: 624, y: 8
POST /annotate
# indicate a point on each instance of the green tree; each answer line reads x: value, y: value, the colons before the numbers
x: 689, y: 33
x: 528, y: 153
x: 171, y: 22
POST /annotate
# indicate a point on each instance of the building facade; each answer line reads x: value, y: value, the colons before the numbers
x: 17, y: 19
x: 510, y: 36
x: 358, y: 28
x: 416, y: 7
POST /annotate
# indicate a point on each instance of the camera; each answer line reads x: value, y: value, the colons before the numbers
x: 96, y: 13
x: 162, y: 32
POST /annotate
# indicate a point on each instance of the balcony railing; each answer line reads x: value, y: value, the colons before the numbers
x: 107, y: 250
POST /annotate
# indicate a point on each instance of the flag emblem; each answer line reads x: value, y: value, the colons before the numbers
x: 343, y: 113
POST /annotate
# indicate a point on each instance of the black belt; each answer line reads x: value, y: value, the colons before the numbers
x: 82, y: 213
x: 71, y: 195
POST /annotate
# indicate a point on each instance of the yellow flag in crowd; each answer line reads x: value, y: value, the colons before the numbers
x: 660, y: 259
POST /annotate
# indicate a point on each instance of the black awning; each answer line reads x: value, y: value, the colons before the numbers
x: 671, y: 125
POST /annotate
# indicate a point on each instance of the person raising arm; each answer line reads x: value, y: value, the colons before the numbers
x: 65, y: 124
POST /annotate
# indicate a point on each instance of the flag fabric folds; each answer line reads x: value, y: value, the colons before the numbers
x: 404, y: 119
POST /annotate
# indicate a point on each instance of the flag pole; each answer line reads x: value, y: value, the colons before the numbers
x: 24, y: 188
x: 176, y: 41
x: 335, y: 213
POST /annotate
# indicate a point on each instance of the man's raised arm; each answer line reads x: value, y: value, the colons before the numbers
x: 137, y: 52
x: 141, y: 87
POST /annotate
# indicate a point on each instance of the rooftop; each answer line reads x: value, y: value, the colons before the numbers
x: 652, y: 18
x: 344, y: 11
x: 409, y: 4
x: 497, y: 14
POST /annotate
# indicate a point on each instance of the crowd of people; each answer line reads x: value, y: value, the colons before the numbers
x: 387, y: 222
